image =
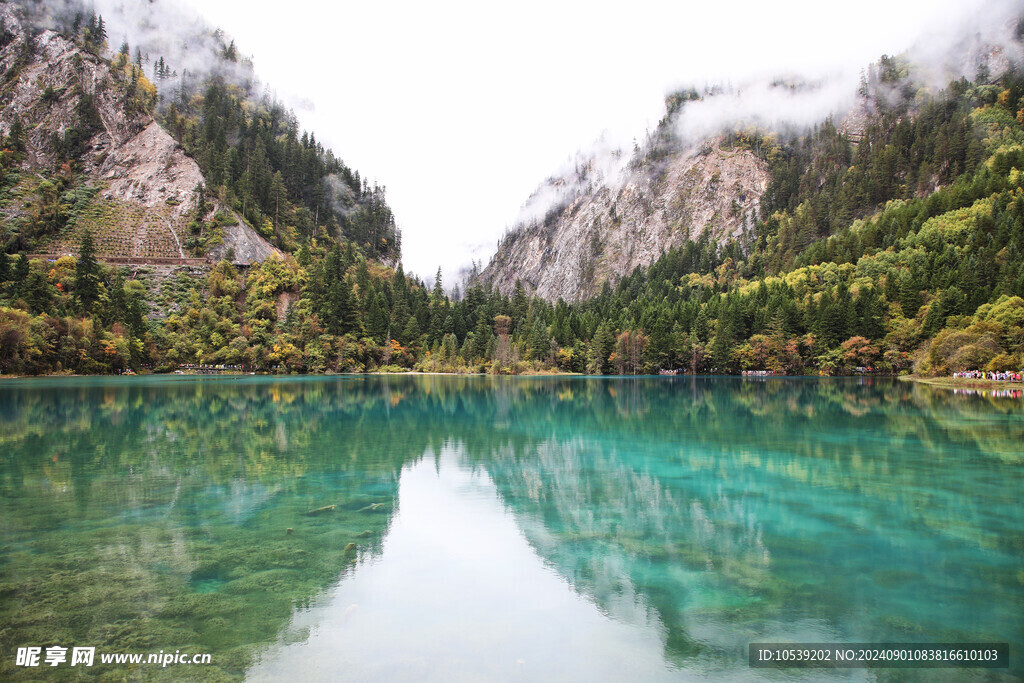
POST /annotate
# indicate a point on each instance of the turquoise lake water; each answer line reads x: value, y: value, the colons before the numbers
x: 445, y: 528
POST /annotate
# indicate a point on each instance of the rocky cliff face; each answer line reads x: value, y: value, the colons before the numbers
x: 610, y: 227
x: 47, y: 63
x: 145, y: 177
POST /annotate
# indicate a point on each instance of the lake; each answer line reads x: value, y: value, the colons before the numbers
x: 479, y: 528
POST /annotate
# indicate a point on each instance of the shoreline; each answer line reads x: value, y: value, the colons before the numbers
x: 943, y: 382
x: 300, y: 374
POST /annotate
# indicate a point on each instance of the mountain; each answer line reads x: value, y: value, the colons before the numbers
x: 201, y: 163
x: 184, y: 219
x: 725, y: 164
x: 749, y: 231
x: 87, y: 123
x: 604, y: 229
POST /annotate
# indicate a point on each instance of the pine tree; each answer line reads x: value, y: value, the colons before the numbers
x: 411, y: 332
x: 377, y: 319
x: 540, y: 344
x: 20, y: 276
x: 341, y: 313
x: 910, y: 295
x: 349, y: 312
x: 16, y: 137
x: 701, y: 330
x: 870, y: 315
x: 481, y: 339
x: 466, y: 352
x: 36, y: 291
x: 520, y: 303
x: 87, y: 274
x: 725, y: 334
x: 600, y: 349
x: 136, y: 317
x: 449, y: 348
x: 117, y: 307
x: 438, y: 293
x: 435, y: 326
x: 831, y: 326
x: 278, y: 193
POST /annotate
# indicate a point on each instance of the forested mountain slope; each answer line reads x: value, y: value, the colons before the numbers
x: 208, y: 154
x: 82, y: 151
x: 168, y: 175
x: 733, y: 164
x: 889, y: 241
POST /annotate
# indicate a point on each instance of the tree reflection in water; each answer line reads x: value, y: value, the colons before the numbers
x: 149, y: 512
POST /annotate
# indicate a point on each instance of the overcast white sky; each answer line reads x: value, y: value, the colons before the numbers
x: 461, y: 108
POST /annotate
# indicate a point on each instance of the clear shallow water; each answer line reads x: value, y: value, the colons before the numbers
x: 504, y: 528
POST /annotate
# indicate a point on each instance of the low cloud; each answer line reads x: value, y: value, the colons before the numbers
x: 602, y: 164
x: 775, y: 105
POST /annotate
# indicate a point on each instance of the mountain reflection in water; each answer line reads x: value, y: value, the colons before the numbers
x: 503, y: 527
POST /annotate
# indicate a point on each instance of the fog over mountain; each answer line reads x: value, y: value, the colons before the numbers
x: 794, y: 99
x: 477, y: 103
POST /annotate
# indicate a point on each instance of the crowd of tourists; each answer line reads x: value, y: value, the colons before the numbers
x: 758, y: 373
x: 994, y: 376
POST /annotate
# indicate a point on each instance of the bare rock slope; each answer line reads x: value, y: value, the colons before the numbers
x: 148, y: 182
x: 610, y: 228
